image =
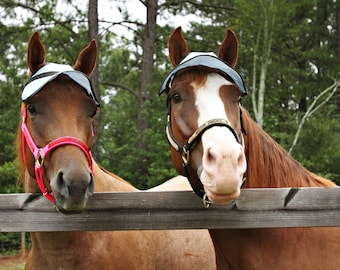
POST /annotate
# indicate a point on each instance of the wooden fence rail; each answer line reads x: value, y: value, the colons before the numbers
x: 256, y: 208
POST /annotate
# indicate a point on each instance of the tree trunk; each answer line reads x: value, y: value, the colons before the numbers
x: 149, y: 40
x: 93, y: 34
x: 337, y: 22
x: 259, y: 92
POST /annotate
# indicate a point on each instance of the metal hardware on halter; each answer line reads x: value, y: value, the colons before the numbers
x: 206, y: 201
x: 185, y: 156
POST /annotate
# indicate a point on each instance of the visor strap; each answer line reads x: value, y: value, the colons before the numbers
x: 39, y: 76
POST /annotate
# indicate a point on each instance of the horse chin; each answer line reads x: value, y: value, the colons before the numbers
x: 67, y: 212
x: 69, y: 208
x: 222, y: 199
x: 221, y: 191
x: 226, y: 187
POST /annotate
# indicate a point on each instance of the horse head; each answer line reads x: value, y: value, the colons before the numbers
x: 56, y: 131
x: 204, y: 121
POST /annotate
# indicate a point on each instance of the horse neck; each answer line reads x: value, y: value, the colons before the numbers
x: 107, y: 181
x: 19, y: 155
x: 269, y: 165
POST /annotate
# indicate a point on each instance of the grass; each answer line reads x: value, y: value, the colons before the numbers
x: 14, y: 267
x: 14, y: 262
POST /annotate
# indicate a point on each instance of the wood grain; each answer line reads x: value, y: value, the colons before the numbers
x: 256, y: 208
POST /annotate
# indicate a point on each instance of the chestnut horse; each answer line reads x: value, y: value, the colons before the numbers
x: 216, y: 144
x: 54, y: 141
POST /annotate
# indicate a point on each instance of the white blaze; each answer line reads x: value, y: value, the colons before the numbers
x: 208, y: 100
x: 223, y: 160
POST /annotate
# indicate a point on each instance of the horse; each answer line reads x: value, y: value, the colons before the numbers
x: 53, y: 143
x: 215, y: 143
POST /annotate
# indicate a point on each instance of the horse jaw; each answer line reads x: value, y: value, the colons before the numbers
x: 223, y: 160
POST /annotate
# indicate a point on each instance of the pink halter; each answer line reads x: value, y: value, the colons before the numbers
x: 40, y: 153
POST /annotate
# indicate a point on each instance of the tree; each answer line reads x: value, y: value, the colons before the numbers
x: 314, y: 107
x: 93, y: 34
x: 302, y: 64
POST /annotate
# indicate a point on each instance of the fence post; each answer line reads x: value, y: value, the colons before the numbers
x: 23, y: 244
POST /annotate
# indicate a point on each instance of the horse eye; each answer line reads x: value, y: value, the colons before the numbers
x: 176, y: 98
x: 32, y: 110
x: 93, y: 113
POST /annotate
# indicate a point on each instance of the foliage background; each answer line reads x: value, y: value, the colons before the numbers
x: 295, y: 46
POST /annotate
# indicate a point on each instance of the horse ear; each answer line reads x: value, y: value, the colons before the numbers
x: 229, y: 48
x: 36, y: 54
x: 87, y: 58
x: 177, y: 46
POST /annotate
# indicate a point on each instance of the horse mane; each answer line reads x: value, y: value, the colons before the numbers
x: 19, y: 155
x: 269, y: 165
x: 197, y: 75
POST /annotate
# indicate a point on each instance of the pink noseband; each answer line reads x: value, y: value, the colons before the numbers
x: 40, y: 153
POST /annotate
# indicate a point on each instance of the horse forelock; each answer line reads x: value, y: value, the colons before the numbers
x: 190, y: 75
x: 269, y: 165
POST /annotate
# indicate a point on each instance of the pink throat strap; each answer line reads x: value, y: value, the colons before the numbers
x: 40, y: 153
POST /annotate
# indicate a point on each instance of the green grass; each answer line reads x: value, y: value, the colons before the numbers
x: 14, y: 262
x: 14, y: 267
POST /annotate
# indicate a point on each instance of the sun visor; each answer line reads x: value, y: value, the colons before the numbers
x: 209, y: 60
x: 49, y: 72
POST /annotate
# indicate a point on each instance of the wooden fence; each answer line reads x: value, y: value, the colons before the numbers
x: 256, y: 208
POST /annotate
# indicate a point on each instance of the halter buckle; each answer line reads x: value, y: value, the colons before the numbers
x: 185, y: 156
x: 206, y: 201
x: 39, y: 159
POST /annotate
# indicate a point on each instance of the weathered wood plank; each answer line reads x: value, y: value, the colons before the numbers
x: 256, y: 208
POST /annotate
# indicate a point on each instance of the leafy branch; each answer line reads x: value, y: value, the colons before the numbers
x: 314, y: 107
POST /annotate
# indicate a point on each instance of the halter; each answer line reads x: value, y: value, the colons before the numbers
x: 40, y: 153
x: 184, y: 150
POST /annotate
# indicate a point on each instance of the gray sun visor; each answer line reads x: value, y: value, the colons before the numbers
x: 49, y: 72
x: 208, y: 60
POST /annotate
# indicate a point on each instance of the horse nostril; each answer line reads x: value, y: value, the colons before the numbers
x: 61, y: 185
x: 210, y: 155
x: 69, y: 187
x: 242, y: 162
x: 73, y: 187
